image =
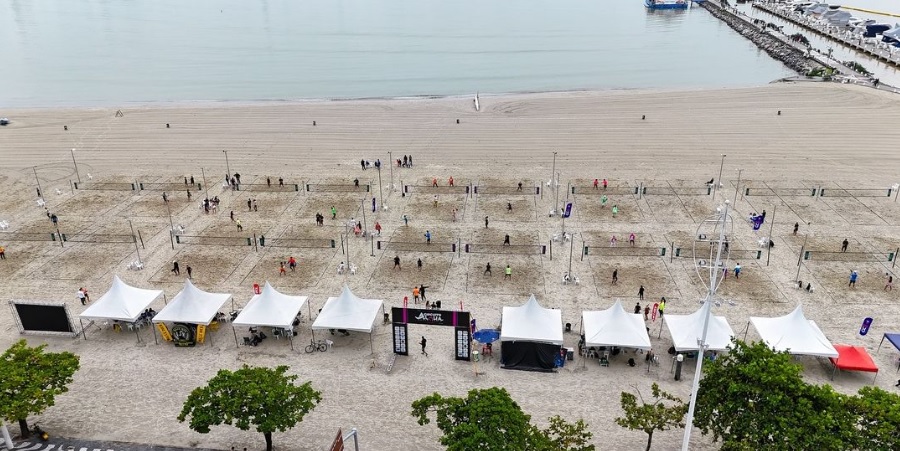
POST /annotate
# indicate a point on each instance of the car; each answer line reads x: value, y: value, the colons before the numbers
x: 4, y: 121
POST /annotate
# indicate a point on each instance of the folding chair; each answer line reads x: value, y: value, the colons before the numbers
x: 604, y: 359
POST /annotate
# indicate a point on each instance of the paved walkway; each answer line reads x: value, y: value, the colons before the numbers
x: 63, y: 444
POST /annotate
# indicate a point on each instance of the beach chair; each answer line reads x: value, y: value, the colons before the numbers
x: 247, y: 342
x: 604, y: 359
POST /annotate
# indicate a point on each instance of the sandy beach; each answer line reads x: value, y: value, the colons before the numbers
x: 835, y: 137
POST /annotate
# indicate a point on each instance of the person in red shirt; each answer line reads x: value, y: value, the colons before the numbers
x: 292, y: 263
x: 596, y: 182
x: 378, y: 228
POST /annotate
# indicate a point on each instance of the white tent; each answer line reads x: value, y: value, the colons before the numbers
x: 794, y: 333
x: 687, y: 330
x: 272, y: 309
x: 193, y: 306
x: 121, y: 303
x: 531, y: 322
x: 348, y: 312
x: 615, y: 327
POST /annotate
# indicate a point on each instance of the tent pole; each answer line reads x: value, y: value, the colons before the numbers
x: 232, y: 303
x: 153, y: 328
x: 136, y: 334
x: 309, y: 308
x: 235, y: 336
x: 371, y: 344
x: 746, y: 329
x: 84, y: 332
x: 292, y: 338
x: 879, y: 344
x: 165, y: 299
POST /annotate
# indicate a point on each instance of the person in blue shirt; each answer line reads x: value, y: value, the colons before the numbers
x: 853, y: 276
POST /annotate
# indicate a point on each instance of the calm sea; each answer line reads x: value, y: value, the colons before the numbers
x: 109, y: 52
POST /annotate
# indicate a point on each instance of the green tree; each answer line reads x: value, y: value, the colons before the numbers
x: 754, y: 397
x: 30, y: 379
x: 652, y: 416
x: 878, y: 418
x: 489, y: 420
x: 266, y: 398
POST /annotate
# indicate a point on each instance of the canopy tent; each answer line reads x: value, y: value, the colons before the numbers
x: 794, y: 333
x: 853, y: 358
x: 615, y: 327
x: 349, y: 312
x: 530, y: 336
x: 686, y: 330
x: 894, y: 338
x: 121, y: 303
x: 271, y: 308
x: 193, y: 306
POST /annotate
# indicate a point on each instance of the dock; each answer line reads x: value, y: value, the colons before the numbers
x: 843, y: 38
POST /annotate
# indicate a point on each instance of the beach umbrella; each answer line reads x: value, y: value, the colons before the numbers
x: 486, y: 335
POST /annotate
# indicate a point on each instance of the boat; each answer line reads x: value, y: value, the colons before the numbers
x: 892, y: 35
x: 875, y: 29
x: 666, y: 4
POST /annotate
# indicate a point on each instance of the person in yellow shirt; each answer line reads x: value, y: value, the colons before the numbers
x: 508, y: 273
x: 2, y: 253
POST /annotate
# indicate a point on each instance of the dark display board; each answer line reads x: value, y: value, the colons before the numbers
x: 43, y: 318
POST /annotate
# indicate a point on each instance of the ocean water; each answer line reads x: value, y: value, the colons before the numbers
x: 109, y: 52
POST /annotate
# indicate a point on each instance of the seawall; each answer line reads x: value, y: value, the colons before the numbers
x: 775, y: 47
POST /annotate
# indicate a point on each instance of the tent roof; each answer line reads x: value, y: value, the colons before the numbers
x: 122, y: 302
x: 615, y: 327
x: 270, y: 308
x: 686, y: 330
x: 192, y: 305
x: 794, y: 333
x: 348, y: 312
x: 531, y: 322
x: 853, y: 358
x: 893, y: 338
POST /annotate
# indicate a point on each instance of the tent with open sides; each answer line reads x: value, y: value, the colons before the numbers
x: 121, y: 303
x: 853, y: 358
x: 686, y: 330
x: 615, y: 327
x: 530, y: 337
x: 794, y: 333
x: 191, y: 306
x: 894, y: 338
x: 272, y: 309
x: 349, y: 312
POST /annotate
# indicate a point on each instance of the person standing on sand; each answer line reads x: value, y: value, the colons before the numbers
x: 844, y: 245
x: 737, y: 271
x: 175, y: 269
x: 596, y: 183
x: 255, y: 205
x: 615, y: 210
x: 239, y: 226
x: 249, y: 204
x: 423, y: 343
x: 662, y: 306
x: 281, y: 269
x: 190, y: 272
x: 415, y: 294
x: 603, y: 200
x: 520, y: 187
x: 378, y: 228
x: 605, y: 184
x: 427, y: 237
x: 419, y: 264
x: 796, y: 228
x: 487, y: 269
x: 640, y: 294
x: 280, y: 181
x: 631, y: 239
x: 80, y: 296
x: 422, y: 291
x: 434, y: 182
x: 405, y: 220
x: 508, y: 273
x: 615, y: 278
x: 2, y: 253
x: 506, y: 240
x: 292, y: 263
x: 637, y: 308
x: 397, y: 262
x: 450, y: 181
x: 888, y: 286
x: 232, y: 215
x: 485, y: 222
x: 333, y: 212
x: 647, y: 312
x: 853, y: 276
x: 373, y: 205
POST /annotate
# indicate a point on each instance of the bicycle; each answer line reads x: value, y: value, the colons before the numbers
x: 316, y: 345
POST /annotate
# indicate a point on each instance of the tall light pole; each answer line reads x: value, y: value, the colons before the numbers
x: 701, y: 344
x: 738, y: 186
x: 227, y: 166
x: 718, y: 180
x: 553, y: 181
x: 171, y: 225
x: 205, y: 185
x: 380, y: 191
x: 391, y: 157
x: 76, y: 166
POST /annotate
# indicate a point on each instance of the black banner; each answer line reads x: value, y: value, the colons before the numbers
x: 430, y: 317
x: 400, y: 339
x: 44, y: 318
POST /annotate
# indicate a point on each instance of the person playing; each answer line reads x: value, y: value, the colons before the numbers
x: 175, y: 269
x: 596, y: 184
x: 427, y: 237
x: 80, y: 296
x: 249, y: 204
x: 416, y: 295
x: 844, y: 245
x: 737, y: 271
x: 613, y: 241
x: 419, y: 264
x: 485, y: 222
x: 397, y: 262
x: 450, y: 181
x: 333, y: 212
x: 280, y: 181
x: 631, y: 239
x: 434, y: 182
x: 423, y: 343
x: 378, y: 228
x: 888, y: 286
x: 509, y: 206
x: 519, y: 187
x: 435, y: 201
x: 506, y: 240
x: 615, y: 277
x: 2, y: 253
x: 239, y: 226
x: 853, y: 276
x: 646, y: 312
x: 281, y: 269
x: 640, y: 294
x: 508, y: 273
x: 615, y: 210
x: 662, y: 306
x: 637, y: 308
x: 605, y: 183
x: 405, y: 220
x: 422, y: 291
x: 190, y: 272
x: 487, y: 269
x: 292, y: 263
x: 603, y: 200
x: 796, y: 228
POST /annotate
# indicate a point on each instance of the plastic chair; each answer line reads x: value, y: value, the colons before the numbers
x: 604, y: 359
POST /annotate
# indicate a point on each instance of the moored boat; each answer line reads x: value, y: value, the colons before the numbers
x: 666, y: 4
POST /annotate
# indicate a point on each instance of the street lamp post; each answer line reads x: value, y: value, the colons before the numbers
x: 391, y: 157
x: 205, y: 185
x: 380, y: 191
x: 133, y: 237
x: 76, y: 166
x: 701, y: 344
x: 227, y: 166
x: 171, y: 224
x: 555, y: 187
x: 718, y: 180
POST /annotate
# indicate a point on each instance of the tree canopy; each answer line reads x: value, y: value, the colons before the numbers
x: 489, y: 420
x: 265, y: 398
x: 652, y: 416
x: 30, y: 380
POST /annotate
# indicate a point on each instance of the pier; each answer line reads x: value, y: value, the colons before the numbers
x: 858, y: 44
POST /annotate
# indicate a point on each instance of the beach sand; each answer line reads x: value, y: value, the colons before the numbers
x: 841, y: 138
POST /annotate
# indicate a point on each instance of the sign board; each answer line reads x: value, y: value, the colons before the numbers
x: 401, y: 341
x: 568, y: 211
x: 463, y: 343
x: 430, y: 317
x: 865, y: 326
x: 338, y: 443
x: 201, y: 333
x: 164, y: 331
